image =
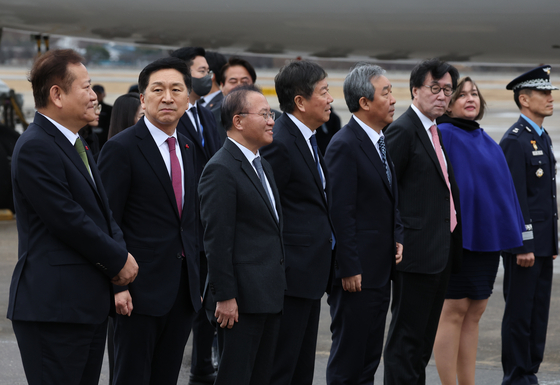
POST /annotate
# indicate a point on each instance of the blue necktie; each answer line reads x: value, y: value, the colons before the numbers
x: 313, y: 141
x: 198, y: 125
x: 383, y: 151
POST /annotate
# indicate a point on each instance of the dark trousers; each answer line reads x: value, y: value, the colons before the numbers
x: 527, y: 295
x: 417, y: 303
x: 203, y: 333
x: 294, y: 360
x: 61, y: 353
x: 358, y: 327
x: 149, y: 349
x: 247, y: 349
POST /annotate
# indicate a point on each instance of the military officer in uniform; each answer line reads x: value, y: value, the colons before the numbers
x: 528, y: 269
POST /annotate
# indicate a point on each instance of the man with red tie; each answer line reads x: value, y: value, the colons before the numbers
x: 149, y: 173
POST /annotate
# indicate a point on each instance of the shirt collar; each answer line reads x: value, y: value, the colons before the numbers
x: 159, y: 136
x: 208, y: 98
x: 248, y: 153
x: 533, y: 124
x: 426, y: 122
x: 373, y: 135
x: 305, y: 131
x: 66, y: 132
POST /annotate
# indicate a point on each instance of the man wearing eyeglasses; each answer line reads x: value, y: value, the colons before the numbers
x: 303, y: 182
x: 429, y: 209
x: 242, y: 217
x: 198, y: 124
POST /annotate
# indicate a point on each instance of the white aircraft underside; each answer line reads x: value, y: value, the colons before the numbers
x: 514, y: 31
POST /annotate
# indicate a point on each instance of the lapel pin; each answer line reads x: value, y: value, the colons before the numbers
x: 187, y: 146
x: 87, y: 148
x: 534, y: 143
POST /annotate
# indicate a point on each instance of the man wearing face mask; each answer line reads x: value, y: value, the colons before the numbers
x: 198, y: 124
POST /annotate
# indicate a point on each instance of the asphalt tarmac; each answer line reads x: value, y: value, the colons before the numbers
x: 489, y: 350
x: 501, y: 114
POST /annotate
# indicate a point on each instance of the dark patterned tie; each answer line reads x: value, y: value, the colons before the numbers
x: 258, y: 165
x: 313, y: 141
x: 199, y: 128
x: 383, y: 151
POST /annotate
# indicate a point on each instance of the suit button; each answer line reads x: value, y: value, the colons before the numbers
x: 330, y: 240
x: 446, y: 220
x: 179, y: 256
x: 282, y: 261
x: 181, y: 228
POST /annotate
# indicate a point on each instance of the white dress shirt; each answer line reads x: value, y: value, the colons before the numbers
x: 307, y: 134
x: 427, y: 123
x: 160, y: 138
x: 250, y: 157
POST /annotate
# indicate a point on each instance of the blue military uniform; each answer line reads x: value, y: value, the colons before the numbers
x: 531, y: 160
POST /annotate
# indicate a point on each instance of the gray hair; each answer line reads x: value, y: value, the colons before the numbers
x: 358, y: 84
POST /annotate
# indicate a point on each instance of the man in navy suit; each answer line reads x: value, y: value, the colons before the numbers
x: 242, y: 217
x: 149, y: 171
x: 368, y: 228
x: 431, y: 217
x: 70, y: 248
x: 198, y: 125
x: 528, y: 269
x: 303, y: 181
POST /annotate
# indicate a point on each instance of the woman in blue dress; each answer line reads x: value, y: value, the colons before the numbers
x: 491, y: 220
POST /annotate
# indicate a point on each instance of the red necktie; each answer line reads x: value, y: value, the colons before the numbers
x: 439, y: 153
x: 176, y: 179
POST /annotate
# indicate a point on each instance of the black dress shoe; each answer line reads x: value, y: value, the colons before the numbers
x: 205, y: 379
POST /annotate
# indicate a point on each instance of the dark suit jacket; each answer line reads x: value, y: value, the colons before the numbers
x: 212, y: 144
x: 242, y: 237
x: 211, y: 138
x: 307, y: 224
x: 364, y: 208
x: 537, y: 194
x: 141, y: 196
x: 423, y: 198
x: 69, y: 244
x: 216, y: 103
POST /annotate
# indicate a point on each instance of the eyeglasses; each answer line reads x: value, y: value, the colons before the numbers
x: 205, y: 72
x: 97, y: 108
x: 436, y: 89
x: 265, y: 115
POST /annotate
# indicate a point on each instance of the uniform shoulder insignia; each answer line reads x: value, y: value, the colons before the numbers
x: 527, y: 128
x: 515, y: 130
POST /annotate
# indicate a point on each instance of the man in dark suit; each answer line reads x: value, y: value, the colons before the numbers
x: 429, y: 209
x: 302, y: 179
x: 198, y: 125
x: 528, y: 269
x: 367, y: 223
x: 149, y: 171
x: 213, y: 100
x: 234, y: 73
x: 242, y: 217
x: 70, y: 248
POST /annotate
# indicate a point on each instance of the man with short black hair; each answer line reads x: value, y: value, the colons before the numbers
x: 149, y: 171
x: 305, y: 192
x: 430, y: 213
x: 242, y: 217
x: 528, y: 269
x: 70, y: 248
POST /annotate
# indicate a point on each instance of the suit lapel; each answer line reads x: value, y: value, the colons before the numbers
x: 371, y: 152
x: 425, y: 140
x: 187, y: 176
x: 251, y: 174
x: 151, y: 152
x: 191, y: 132
x: 303, y: 148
